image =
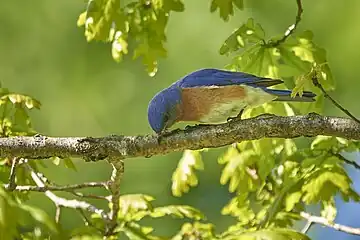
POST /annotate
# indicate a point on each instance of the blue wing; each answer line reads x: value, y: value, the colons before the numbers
x: 211, y: 77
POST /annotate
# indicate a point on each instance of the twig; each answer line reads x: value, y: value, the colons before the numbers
x: 318, y: 85
x: 79, y: 194
x: 57, y: 188
x: 347, y: 161
x: 307, y: 227
x: 87, y: 221
x: 62, y: 202
x: 293, y: 27
x: 12, y: 183
x: 325, y: 222
x: 57, y: 213
x: 192, y: 138
x: 114, y: 186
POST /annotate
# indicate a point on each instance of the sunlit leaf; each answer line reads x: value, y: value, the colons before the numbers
x: 135, y: 231
x: 329, y: 210
x: 269, y: 234
x: 238, y: 169
x: 179, y: 211
x: 325, y: 183
x: 132, y: 204
x: 196, y: 230
x: 248, y: 33
x: 239, y: 207
x: 184, y: 175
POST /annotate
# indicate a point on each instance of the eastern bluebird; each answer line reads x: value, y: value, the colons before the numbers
x: 213, y: 96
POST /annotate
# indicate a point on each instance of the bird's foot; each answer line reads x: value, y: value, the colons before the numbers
x: 233, y: 119
x: 237, y: 118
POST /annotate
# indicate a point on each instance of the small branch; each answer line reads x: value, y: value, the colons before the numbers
x: 193, y: 138
x: 12, y: 183
x: 307, y: 227
x: 57, y: 213
x: 293, y: 27
x: 318, y: 85
x: 62, y: 202
x: 325, y: 222
x: 82, y: 195
x: 58, y: 188
x: 347, y: 161
x: 114, y: 186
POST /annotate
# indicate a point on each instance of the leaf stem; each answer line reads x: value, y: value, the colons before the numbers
x: 318, y: 85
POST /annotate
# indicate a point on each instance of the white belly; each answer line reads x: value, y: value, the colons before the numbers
x: 221, y: 112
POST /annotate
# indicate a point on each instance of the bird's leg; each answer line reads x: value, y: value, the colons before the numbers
x: 238, y: 117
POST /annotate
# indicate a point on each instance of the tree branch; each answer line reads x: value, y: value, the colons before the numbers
x: 197, y: 137
x: 325, y: 222
x: 62, y: 202
x: 57, y: 188
x: 114, y: 187
x: 12, y: 177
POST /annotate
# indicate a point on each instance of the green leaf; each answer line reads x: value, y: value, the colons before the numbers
x: 69, y: 164
x: 239, y: 207
x: 40, y: 216
x: 134, y: 206
x: 100, y: 15
x: 238, y: 169
x: 329, y: 209
x: 324, y: 183
x: 180, y: 211
x: 136, y: 232
x: 226, y: 7
x: 269, y: 234
x: 184, y: 175
x: 9, y: 217
x: 292, y: 199
x: 248, y: 33
x: 196, y: 230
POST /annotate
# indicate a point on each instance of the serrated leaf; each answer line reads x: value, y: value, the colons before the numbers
x: 184, y: 175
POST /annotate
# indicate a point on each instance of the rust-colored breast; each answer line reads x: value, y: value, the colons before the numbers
x: 198, y: 101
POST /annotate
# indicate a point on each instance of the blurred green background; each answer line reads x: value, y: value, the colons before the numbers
x: 85, y: 93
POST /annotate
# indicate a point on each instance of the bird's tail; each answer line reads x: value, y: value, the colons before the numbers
x: 285, y: 95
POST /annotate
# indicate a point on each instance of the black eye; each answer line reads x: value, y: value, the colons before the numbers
x: 166, y: 118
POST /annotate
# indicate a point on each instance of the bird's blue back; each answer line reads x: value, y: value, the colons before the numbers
x: 216, y: 77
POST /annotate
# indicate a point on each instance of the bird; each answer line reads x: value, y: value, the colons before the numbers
x: 214, y: 96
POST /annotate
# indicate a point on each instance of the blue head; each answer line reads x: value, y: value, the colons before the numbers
x: 162, y: 110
